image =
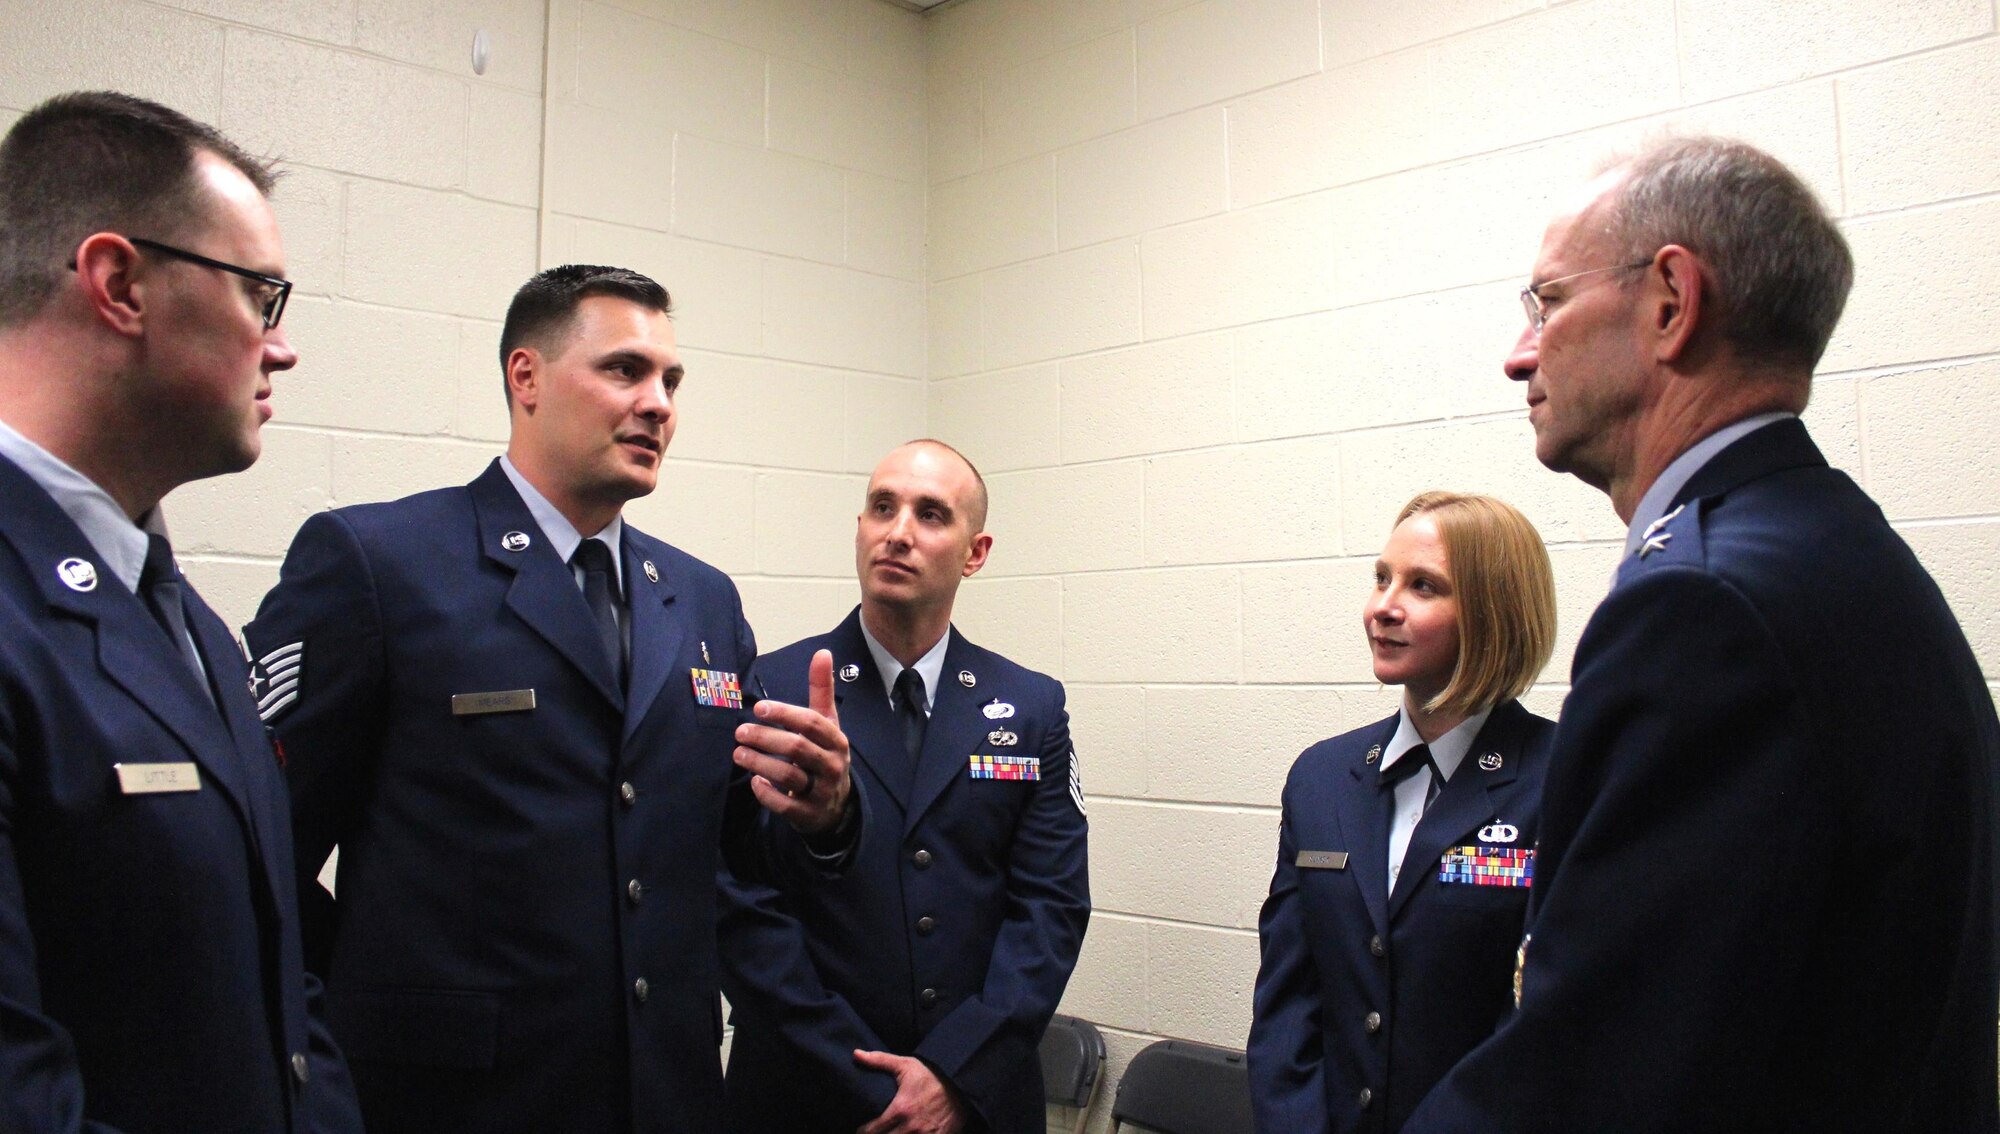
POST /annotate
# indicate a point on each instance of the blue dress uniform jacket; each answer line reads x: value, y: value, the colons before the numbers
x: 1367, y: 996
x: 952, y: 935
x: 150, y: 976
x: 1764, y: 899
x: 525, y: 933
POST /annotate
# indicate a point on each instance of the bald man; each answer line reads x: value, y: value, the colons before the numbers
x: 910, y: 995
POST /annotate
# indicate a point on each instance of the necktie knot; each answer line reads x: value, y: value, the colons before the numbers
x: 910, y: 691
x: 592, y: 556
x: 1409, y: 764
x: 600, y: 591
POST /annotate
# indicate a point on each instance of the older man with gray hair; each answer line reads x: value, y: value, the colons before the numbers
x: 1764, y: 892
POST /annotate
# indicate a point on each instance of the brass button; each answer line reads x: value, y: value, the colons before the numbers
x: 926, y: 923
x: 640, y: 988
x: 634, y: 891
x: 1373, y: 1022
x: 627, y: 794
x: 923, y: 859
x: 300, y: 1070
x: 1376, y: 947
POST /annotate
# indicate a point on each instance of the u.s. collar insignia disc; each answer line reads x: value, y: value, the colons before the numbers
x: 77, y: 574
x: 850, y: 672
x: 1374, y: 754
x: 966, y: 679
x: 515, y: 541
x: 652, y: 572
x: 1490, y: 762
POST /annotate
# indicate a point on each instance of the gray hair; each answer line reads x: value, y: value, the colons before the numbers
x: 1781, y: 269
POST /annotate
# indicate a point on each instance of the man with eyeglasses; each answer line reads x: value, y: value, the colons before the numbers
x: 1764, y: 891
x: 150, y: 975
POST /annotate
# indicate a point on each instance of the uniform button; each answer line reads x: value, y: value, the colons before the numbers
x: 923, y: 859
x: 1376, y: 947
x: 300, y: 1070
x: 926, y: 923
x: 1367, y: 1096
x: 1373, y: 1022
x: 928, y: 996
x: 640, y: 988
x: 627, y: 794
x: 634, y: 891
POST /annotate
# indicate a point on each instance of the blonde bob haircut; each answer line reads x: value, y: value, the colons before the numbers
x: 1506, y: 598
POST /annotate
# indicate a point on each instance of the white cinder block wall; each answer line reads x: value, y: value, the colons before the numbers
x: 1216, y: 286
x: 1208, y: 288
x: 762, y: 158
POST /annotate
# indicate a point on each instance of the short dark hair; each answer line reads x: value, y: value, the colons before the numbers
x: 544, y: 310
x: 1782, y: 269
x: 98, y: 161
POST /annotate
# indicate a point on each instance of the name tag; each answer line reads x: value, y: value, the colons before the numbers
x: 1006, y: 768
x: 501, y: 701
x: 1322, y: 860
x: 146, y: 779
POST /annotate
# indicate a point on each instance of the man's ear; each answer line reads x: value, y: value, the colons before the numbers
x: 982, y: 546
x: 1676, y: 300
x: 108, y: 271
x: 524, y: 377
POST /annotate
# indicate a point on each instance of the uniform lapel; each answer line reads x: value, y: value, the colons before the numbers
x: 658, y: 629
x: 957, y: 726
x: 1466, y: 802
x: 874, y: 735
x: 133, y: 653
x: 1364, y: 823
x: 544, y: 592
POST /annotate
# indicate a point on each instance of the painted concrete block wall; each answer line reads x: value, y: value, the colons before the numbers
x: 1216, y: 285
x: 764, y: 159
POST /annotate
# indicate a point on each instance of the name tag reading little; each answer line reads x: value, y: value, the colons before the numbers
x: 145, y: 779
x: 502, y: 701
x: 1322, y: 860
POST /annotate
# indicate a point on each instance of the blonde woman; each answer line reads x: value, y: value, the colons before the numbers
x: 1406, y: 853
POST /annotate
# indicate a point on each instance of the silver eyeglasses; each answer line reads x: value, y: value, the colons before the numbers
x: 1536, y: 306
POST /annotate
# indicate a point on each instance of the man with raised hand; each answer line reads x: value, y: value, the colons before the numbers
x: 514, y: 714
x: 1764, y: 892
x: 150, y: 976
x: 909, y: 995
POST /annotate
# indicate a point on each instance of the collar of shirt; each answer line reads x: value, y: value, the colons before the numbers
x: 930, y: 667
x: 1448, y: 750
x: 1675, y: 476
x: 116, y: 539
x: 561, y: 534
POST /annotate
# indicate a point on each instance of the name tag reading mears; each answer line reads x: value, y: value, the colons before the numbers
x: 502, y: 701
x: 145, y: 779
x: 1322, y: 860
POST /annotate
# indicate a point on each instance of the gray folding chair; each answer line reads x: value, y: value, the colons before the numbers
x: 1177, y: 1087
x: 1072, y: 1065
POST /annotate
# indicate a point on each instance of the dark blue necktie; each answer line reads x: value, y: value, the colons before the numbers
x: 600, y: 590
x: 160, y: 586
x: 1407, y: 765
x: 910, y: 706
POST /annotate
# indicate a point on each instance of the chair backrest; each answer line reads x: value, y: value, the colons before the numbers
x: 1072, y: 1061
x: 1177, y: 1087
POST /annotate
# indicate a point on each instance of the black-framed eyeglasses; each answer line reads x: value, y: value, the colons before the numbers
x: 277, y: 290
x: 1537, y: 307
